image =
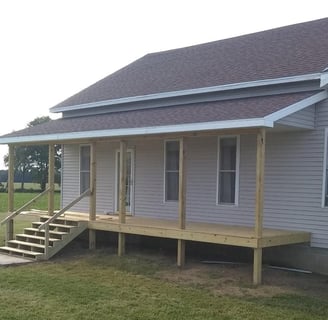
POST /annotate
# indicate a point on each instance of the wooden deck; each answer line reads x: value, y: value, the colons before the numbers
x: 195, y: 231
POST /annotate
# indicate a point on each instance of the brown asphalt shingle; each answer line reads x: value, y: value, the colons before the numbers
x: 288, y: 51
x: 238, y: 109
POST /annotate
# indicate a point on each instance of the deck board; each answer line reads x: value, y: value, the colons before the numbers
x: 243, y: 236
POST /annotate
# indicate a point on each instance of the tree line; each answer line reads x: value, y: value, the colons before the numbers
x: 32, y: 162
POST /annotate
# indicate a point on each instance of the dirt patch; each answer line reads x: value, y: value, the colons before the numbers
x: 236, y: 280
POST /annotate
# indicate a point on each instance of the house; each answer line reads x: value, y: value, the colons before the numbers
x: 223, y: 142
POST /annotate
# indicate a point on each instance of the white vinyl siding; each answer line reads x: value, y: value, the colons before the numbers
x: 293, y: 190
x: 325, y: 173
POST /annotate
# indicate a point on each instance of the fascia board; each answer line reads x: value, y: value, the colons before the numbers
x: 189, y: 127
x: 181, y: 93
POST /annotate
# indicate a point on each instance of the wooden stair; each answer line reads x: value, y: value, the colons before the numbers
x: 31, y: 243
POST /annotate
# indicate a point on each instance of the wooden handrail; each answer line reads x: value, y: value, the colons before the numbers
x: 17, y: 212
x: 60, y: 212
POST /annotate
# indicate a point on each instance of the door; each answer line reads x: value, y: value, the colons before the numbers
x: 129, y: 185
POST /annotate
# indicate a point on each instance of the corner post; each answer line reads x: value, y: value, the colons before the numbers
x: 122, y: 196
x: 258, y: 227
x: 93, y: 193
x: 11, y: 189
x: 51, y: 180
x: 182, y: 202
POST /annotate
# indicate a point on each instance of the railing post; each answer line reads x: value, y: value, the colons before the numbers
x: 10, y: 185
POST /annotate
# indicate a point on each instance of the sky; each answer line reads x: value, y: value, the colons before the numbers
x: 52, y: 49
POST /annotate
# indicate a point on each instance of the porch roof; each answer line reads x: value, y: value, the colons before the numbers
x: 229, y: 114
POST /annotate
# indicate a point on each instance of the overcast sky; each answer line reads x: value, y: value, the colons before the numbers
x: 51, y: 49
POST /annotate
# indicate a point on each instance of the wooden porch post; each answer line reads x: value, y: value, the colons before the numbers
x: 93, y: 194
x: 10, y: 186
x: 182, y: 202
x: 122, y: 196
x: 51, y: 179
x: 260, y: 160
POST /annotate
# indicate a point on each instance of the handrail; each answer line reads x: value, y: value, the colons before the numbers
x: 27, y: 204
x: 60, y: 212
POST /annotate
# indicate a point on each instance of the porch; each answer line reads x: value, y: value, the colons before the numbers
x: 180, y: 228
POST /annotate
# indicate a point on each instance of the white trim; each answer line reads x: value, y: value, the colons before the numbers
x: 298, y: 106
x: 189, y: 127
x: 164, y: 176
x: 132, y: 152
x: 324, y: 178
x: 188, y: 92
x: 236, y: 203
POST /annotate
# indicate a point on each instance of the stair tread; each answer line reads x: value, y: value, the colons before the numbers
x: 57, y: 225
x: 21, y: 251
x: 35, y: 237
x: 37, y: 245
x: 50, y: 231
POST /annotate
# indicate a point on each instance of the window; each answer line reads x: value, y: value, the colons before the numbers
x: 228, y: 167
x: 84, y: 168
x: 171, y: 170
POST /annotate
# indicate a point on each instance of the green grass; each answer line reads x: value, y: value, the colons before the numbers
x: 103, y: 286
x: 21, y: 198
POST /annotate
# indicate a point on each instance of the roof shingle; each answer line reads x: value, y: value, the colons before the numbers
x: 288, y: 51
x: 247, y: 108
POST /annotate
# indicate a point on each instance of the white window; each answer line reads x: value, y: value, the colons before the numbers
x: 228, y: 170
x: 84, y: 168
x: 171, y: 164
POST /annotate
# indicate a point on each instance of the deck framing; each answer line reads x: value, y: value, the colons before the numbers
x: 200, y: 232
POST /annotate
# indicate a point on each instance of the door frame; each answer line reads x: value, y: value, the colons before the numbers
x: 116, y: 201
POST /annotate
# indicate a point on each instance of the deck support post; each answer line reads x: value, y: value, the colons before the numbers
x: 258, y: 228
x: 122, y: 196
x: 51, y: 180
x: 11, y: 189
x: 93, y: 194
x: 181, y: 251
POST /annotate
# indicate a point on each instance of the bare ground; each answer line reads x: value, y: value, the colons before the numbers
x: 236, y: 280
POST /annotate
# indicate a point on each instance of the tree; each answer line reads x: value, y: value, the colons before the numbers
x: 23, y: 163
x: 35, y: 159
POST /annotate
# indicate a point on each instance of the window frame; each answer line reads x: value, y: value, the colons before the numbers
x: 165, y: 171
x: 237, y: 171
x: 80, y: 165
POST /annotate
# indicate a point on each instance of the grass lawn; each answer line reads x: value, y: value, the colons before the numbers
x: 102, y: 286
x: 22, y: 197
